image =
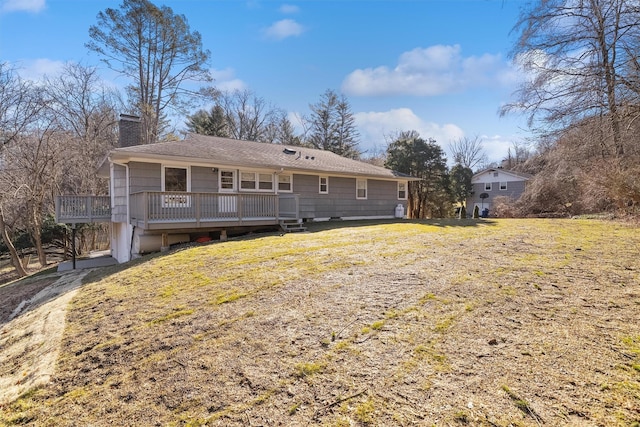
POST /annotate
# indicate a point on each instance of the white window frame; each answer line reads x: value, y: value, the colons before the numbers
x: 175, y: 201
x: 256, y: 181
x: 406, y: 190
x: 487, y: 186
x: 503, y: 186
x: 358, y: 188
x: 326, y: 184
x: 233, y: 178
x: 290, y: 176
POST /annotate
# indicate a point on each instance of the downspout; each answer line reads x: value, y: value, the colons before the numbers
x: 127, y: 193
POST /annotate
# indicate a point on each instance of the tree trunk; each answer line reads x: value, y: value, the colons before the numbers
x: 15, y: 259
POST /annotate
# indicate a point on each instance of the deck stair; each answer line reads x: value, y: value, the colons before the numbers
x: 292, y: 226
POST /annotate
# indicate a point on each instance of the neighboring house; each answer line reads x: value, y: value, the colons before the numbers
x: 204, y: 187
x: 491, y: 183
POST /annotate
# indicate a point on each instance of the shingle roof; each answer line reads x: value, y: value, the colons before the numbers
x: 232, y: 152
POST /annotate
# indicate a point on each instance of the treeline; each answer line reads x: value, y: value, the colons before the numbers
x: 582, y: 96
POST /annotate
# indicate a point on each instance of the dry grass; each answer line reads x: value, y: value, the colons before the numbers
x: 496, y: 323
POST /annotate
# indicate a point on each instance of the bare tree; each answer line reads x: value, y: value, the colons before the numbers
x: 84, y: 113
x: 20, y: 104
x: 577, y: 54
x: 467, y: 152
x: 247, y: 115
x: 156, y: 49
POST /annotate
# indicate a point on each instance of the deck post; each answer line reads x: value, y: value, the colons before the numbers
x: 73, y: 245
x: 223, y: 235
x: 164, y: 246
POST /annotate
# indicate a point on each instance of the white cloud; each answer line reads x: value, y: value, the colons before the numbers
x: 22, y: 5
x: 430, y: 71
x: 39, y: 68
x: 289, y: 8
x: 225, y: 80
x: 283, y: 29
x: 376, y: 127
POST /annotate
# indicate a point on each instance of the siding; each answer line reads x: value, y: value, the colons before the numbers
x: 145, y: 177
x: 203, y: 180
x: 119, y: 196
x: 514, y: 190
x: 382, y: 198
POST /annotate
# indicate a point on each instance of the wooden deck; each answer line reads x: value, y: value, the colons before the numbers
x: 156, y: 210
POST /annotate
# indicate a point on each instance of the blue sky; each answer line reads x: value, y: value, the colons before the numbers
x: 440, y: 67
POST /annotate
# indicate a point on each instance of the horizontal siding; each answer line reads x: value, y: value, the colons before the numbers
x: 341, y: 201
x: 514, y: 190
x: 203, y: 180
x: 145, y: 177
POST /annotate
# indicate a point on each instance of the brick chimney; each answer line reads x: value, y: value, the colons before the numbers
x: 129, y: 128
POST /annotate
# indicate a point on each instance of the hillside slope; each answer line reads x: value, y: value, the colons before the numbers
x: 501, y: 322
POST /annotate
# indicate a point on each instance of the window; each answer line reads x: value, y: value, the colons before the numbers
x: 361, y: 188
x: 503, y: 185
x: 265, y: 181
x: 175, y: 180
x: 247, y: 181
x: 324, y: 185
x: 227, y: 181
x: 487, y: 186
x: 402, y: 191
x: 495, y: 174
x: 284, y: 183
x: 256, y: 181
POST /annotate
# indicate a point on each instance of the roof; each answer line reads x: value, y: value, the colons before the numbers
x: 522, y: 175
x: 216, y: 151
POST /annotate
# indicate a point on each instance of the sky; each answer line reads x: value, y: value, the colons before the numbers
x: 440, y: 67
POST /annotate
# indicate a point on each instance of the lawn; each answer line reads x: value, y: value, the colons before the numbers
x: 488, y: 323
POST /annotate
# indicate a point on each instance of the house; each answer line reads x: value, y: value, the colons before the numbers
x: 205, y: 187
x: 491, y: 183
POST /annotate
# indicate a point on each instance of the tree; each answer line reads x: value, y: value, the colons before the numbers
x: 581, y: 56
x: 424, y: 159
x: 248, y: 116
x: 332, y: 126
x: 212, y: 122
x: 461, y: 186
x: 157, y: 50
x: 20, y: 104
x: 84, y: 112
x: 467, y: 152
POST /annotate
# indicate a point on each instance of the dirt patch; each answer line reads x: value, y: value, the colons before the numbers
x: 13, y: 295
x: 32, y: 330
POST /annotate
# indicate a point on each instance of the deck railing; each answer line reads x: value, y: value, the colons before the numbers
x: 149, y: 207
x: 83, y: 209
x: 197, y: 209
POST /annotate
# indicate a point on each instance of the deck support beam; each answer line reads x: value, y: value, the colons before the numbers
x: 164, y: 246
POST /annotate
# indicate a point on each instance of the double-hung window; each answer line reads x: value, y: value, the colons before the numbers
x: 323, y: 185
x: 503, y: 186
x: 361, y: 188
x: 285, y: 183
x: 402, y: 191
x: 487, y: 186
x: 256, y: 181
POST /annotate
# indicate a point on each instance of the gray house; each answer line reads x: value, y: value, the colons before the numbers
x: 491, y: 183
x: 205, y: 187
